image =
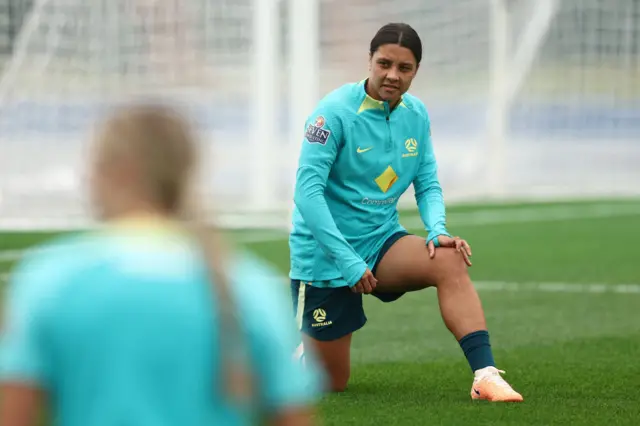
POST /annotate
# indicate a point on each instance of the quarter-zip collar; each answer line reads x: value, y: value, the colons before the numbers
x: 371, y: 103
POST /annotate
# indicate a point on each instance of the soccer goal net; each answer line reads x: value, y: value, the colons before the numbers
x: 70, y: 61
x: 528, y: 98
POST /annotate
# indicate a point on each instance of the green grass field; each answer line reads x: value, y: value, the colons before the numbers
x: 561, y: 287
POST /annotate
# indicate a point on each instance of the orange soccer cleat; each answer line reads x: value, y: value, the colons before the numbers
x: 488, y: 385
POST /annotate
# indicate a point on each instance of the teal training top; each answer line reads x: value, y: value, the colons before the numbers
x: 120, y: 328
x: 357, y: 158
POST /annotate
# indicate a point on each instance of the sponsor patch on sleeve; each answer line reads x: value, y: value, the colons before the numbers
x: 316, y: 133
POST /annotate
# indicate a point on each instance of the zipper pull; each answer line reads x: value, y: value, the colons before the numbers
x: 387, y: 109
x: 389, y: 145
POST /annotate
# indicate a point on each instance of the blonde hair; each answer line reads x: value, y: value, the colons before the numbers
x: 161, y: 143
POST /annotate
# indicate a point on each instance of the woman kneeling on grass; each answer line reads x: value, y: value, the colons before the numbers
x: 364, y: 145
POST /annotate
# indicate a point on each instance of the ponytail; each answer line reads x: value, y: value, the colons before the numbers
x: 238, y: 382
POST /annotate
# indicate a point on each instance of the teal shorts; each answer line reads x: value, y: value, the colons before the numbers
x: 330, y: 313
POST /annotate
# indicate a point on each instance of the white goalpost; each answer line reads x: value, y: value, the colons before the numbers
x: 508, y: 72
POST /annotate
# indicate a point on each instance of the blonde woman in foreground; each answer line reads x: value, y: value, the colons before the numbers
x: 149, y: 320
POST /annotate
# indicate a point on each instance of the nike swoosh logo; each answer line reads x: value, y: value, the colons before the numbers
x: 360, y: 150
x: 476, y: 391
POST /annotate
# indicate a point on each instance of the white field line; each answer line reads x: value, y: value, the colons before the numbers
x: 532, y: 215
x: 9, y: 256
x: 472, y: 218
x: 557, y: 287
x: 532, y: 287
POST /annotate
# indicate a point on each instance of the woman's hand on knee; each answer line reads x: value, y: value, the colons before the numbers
x: 458, y: 243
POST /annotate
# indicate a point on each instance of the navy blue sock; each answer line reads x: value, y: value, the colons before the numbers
x: 477, y: 349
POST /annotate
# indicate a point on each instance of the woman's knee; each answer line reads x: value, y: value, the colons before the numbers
x: 450, y: 265
x: 339, y: 381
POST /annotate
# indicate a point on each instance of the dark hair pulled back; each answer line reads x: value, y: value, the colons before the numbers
x: 398, y: 33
